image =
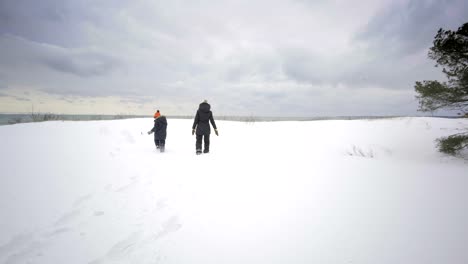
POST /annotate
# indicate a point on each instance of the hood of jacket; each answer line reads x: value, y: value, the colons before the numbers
x: 204, y: 107
x: 161, y: 119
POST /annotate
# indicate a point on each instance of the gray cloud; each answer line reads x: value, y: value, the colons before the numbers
x: 3, y: 84
x: 81, y: 62
x: 288, y: 57
x: 18, y: 98
x: 304, y: 67
x: 58, y: 22
x: 86, y: 64
x: 46, y: 22
x: 137, y: 100
x: 403, y: 28
x: 68, y: 99
x: 390, y: 51
x: 46, y: 64
x: 357, y: 70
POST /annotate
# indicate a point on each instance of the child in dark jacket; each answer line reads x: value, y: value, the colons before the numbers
x: 159, y: 130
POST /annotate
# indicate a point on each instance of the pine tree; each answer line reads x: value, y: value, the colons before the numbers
x: 450, y: 51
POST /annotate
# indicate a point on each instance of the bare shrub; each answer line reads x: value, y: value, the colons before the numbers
x: 41, y: 117
x: 15, y: 120
x: 358, y: 152
x: 249, y: 119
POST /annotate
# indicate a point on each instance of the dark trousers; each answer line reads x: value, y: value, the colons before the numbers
x: 159, y: 142
x: 199, y: 142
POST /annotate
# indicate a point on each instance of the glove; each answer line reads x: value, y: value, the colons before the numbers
x: 193, y: 132
x: 149, y: 132
x: 216, y: 132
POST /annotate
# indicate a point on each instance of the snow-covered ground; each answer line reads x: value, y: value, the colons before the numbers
x: 361, y: 191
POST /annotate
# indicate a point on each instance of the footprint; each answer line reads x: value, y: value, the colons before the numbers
x: 161, y: 204
x: 124, y: 247
x: 127, y: 186
x: 169, y: 226
x: 98, y: 213
x: 15, y: 243
x: 57, y: 232
x: 67, y: 218
x: 104, y: 131
x: 32, y: 249
x: 134, y: 178
x: 128, y: 137
x: 81, y: 200
x: 428, y: 126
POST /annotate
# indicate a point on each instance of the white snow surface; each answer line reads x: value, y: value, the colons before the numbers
x: 360, y: 191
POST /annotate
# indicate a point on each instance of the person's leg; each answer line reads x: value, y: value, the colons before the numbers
x: 198, y: 144
x: 207, y: 144
x: 162, y: 145
x: 156, y: 142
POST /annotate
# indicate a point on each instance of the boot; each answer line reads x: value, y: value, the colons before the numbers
x: 199, y: 151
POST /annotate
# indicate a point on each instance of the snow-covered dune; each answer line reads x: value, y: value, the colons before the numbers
x: 361, y: 191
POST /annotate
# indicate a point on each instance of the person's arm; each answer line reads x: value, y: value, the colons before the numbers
x: 213, y: 123
x: 195, y: 122
x: 153, y: 129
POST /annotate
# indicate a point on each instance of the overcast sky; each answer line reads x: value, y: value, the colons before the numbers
x: 246, y: 57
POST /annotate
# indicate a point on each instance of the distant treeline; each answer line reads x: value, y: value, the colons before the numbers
x: 6, y: 119
x: 40, y: 117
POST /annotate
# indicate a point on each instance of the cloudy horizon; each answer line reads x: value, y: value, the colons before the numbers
x: 264, y: 58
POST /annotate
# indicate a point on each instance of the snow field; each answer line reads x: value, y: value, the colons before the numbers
x: 360, y: 191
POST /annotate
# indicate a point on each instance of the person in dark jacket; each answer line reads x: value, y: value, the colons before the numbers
x: 202, y: 128
x: 159, y: 130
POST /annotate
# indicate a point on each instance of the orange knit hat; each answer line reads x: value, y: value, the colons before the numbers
x: 157, y: 114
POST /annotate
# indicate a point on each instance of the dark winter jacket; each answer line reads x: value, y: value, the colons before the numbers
x: 202, y: 118
x: 159, y: 129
